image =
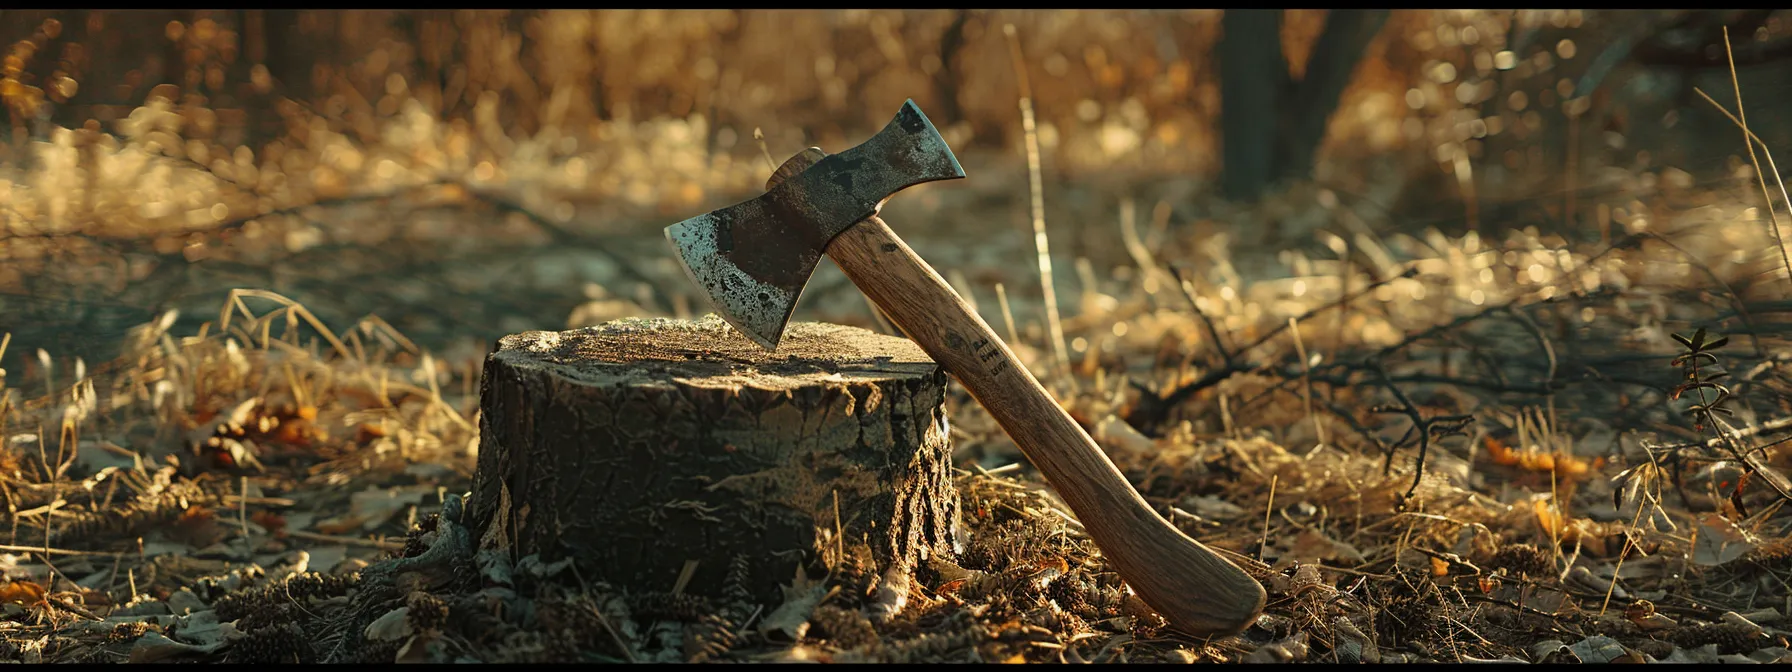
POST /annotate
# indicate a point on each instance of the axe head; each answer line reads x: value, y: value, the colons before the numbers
x: 752, y: 258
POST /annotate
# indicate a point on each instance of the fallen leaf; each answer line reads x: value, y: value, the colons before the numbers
x: 274, y: 523
x: 371, y: 508
x: 1586, y: 580
x: 1647, y: 567
x: 21, y: 592
x: 1654, y: 622
x: 1351, y: 645
x: 417, y: 649
x: 197, y: 526
x: 791, y: 619
x: 1703, y: 654
x: 1546, y: 600
x: 494, y: 566
x: 1534, y: 458
x: 326, y: 557
x: 1313, y: 546
x: 154, y: 646
x: 1734, y: 618
x: 1208, y: 506
x: 1719, y: 541
x: 183, y: 602
x: 394, y: 625
x: 1547, y: 518
x: 1292, y: 649
x: 1772, y: 654
x: 1597, y: 649
x: 202, y: 628
x: 532, y: 565
x: 1542, y: 650
x: 95, y: 456
x: 1475, y: 539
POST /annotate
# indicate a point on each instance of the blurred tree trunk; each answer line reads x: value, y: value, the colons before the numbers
x: 1253, y: 77
x: 1346, y: 36
x: 286, y: 62
x: 1272, y: 125
x: 946, y: 81
x: 173, y: 63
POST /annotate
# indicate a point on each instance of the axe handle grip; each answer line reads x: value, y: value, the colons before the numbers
x: 1195, y: 589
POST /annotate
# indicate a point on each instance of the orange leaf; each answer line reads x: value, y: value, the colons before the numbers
x: 274, y: 523
x: 1499, y: 453
x: 197, y: 513
x: 1550, y: 520
x: 291, y: 433
x: 21, y: 592
x: 365, y: 433
x: 338, y: 525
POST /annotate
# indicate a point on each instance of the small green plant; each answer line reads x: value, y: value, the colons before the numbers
x: 1712, y: 395
x: 1697, y: 364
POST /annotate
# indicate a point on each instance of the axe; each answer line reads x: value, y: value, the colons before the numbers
x: 753, y: 258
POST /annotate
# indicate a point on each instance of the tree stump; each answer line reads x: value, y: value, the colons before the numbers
x: 635, y: 446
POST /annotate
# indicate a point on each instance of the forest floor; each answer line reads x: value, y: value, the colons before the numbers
x: 1427, y: 443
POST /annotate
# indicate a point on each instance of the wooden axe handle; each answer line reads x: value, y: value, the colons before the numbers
x: 1196, y: 590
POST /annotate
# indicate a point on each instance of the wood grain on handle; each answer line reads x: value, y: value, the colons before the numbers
x: 1195, y: 589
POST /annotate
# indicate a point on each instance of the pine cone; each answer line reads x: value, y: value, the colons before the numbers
x: 1523, y: 560
x: 709, y: 638
x: 427, y: 611
x: 378, y: 652
x: 1729, y: 637
x: 1774, y: 555
x: 1406, y: 617
x: 846, y: 629
x: 285, y: 643
x: 680, y: 607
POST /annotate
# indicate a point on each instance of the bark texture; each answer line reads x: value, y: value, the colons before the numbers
x: 637, y: 445
x: 1272, y: 125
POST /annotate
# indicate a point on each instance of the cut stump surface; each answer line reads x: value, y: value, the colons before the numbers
x: 636, y: 446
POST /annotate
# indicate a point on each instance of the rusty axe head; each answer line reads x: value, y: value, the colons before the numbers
x: 752, y: 258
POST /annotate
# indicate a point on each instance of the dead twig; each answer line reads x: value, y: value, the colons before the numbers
x: 1148, y: 416
x: 1426, y: 428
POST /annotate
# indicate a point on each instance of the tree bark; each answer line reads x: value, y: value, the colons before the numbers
x: 1341, y: 44
x: 1271, y: 125
x: 946, y: 82
x: 1253, y: 79
x: 288, y: 51
x: 638, y: 445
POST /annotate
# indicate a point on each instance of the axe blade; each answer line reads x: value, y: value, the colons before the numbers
x: 753, y: 258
